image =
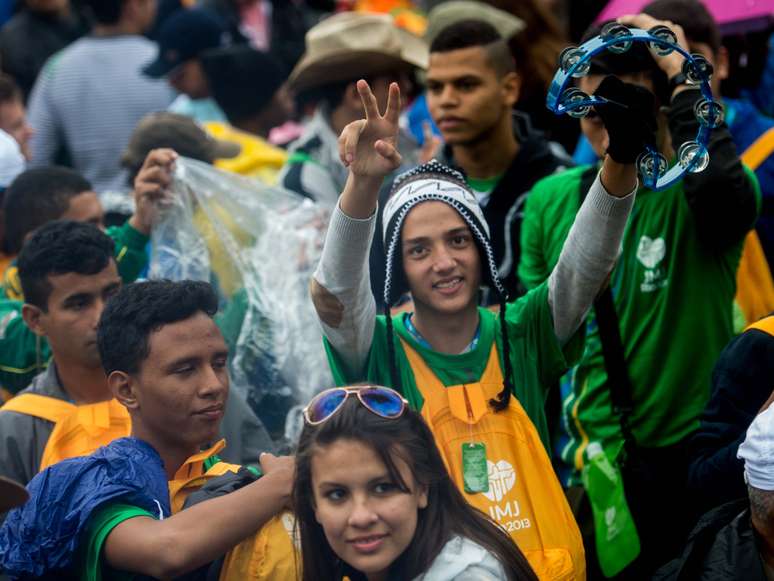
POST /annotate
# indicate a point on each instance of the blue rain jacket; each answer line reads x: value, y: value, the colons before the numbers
x: 42, y: 536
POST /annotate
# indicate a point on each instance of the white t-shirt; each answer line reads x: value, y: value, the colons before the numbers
x: 464, y: 560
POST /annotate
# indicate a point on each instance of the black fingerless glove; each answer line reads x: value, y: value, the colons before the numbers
x: 629, y: 117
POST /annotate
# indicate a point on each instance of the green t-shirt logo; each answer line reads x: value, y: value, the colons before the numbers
x: 650, y: 252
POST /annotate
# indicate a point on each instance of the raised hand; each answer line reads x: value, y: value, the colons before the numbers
x: 629, y: 117
x: 672, y: 63
x: 368, y: 147
x: 151, y: 188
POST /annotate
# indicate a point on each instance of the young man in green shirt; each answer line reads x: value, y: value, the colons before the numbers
x: 117, y: 514
x: 438, y: 248
x: 41, y: 195
x: 673, y: 290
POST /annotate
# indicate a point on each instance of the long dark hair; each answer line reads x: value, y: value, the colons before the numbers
x: 447, y: 513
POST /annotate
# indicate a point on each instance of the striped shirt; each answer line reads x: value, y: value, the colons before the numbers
x: 88, y: 99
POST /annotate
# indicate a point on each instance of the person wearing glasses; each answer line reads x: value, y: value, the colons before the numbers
x: 373, y: 498
x: 118, y: 513
x: 479, y: 378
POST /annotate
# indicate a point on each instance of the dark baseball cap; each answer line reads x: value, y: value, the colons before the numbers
x: 183, y: 36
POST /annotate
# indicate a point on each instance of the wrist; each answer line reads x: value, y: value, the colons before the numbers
x: 140, y: 225
x: 360, y: 195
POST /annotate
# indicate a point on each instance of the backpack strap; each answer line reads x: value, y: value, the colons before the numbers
x: 618, y: 381
x: 39, y: 406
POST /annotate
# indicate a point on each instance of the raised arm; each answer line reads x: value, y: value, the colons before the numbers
x: 593, y: 244
x: 341, y: 287
x: 165, y: 549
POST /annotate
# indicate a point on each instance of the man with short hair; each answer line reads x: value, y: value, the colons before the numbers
x: 13, y: 115
x: 339, y: 51
x: 89, y: 96
x: 472, y: 85
x: 182, y: 39
x: 119, y: 511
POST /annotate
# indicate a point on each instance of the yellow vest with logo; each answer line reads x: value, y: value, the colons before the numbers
x: 524, y: 497
x: 269, y: 554
x: 78, y: 429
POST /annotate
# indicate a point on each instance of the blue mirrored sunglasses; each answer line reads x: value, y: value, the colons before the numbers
x: 382, y: 401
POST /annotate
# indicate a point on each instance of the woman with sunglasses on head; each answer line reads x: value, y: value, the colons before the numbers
x: 374, y: 501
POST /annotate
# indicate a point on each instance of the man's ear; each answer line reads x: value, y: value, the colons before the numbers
x: 123, y: 389
x: 511, y: 88
x: 32, y: 316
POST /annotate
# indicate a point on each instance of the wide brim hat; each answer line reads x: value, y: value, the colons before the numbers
x: 351, y: 45
x: 448, y: 13
x: 12, y: 494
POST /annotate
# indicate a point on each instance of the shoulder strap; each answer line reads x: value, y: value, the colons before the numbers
x: 766, y: 325
x: 759, y: 150
x: 618, y: 381
x: 39, y: 406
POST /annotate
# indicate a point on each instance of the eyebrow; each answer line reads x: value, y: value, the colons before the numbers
x: 452, y: 232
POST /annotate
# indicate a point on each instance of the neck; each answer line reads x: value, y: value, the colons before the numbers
x: 83, y: 384
x: 449, y: 334
x: 119, y: 29
x: 173, y: 455
x: 489, y: 156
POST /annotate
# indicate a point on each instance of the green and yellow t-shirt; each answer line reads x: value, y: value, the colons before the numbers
x: 537, y: 358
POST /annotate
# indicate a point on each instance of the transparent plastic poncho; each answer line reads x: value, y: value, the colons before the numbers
x: 258, y: 246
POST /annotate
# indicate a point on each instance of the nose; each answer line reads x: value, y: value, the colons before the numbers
x: 213, y: 385
x: 444, y: 261
x: 362, y: 515
x: 448, y: 96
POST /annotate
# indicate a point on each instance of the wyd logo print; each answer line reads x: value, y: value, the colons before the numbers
x: 502, y: 477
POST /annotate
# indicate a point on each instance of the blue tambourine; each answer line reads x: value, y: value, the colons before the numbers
x: 574, y: 62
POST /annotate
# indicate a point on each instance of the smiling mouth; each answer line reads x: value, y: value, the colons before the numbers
x: 449, y: 285
x: 367, y: 544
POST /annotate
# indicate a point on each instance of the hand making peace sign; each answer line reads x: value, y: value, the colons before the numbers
x: 368, y: 147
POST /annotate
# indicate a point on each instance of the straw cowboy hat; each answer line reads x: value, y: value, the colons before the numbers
x: 354, y: 44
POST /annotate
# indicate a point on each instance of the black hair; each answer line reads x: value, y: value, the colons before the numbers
x: 447, y: 514
x: 38, y: 196
x: 142, y: 308
x: 470, y: 33
x: 397, y: 278
x: 105, y: 11
x: 637, y: 59
x: 9, y: 90
x: 696, y: 21
x: 61, y: 247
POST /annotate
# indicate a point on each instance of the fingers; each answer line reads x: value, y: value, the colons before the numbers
x: 348, y: 140
x: 369, y: 100
x: 269, y: 462
x: 646, y: 22
x: 393, y: 104
x: 389, y: 152
x: 163, y: 157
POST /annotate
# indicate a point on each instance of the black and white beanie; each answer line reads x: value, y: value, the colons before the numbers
x: 435, y: 182
x: 432, y: 182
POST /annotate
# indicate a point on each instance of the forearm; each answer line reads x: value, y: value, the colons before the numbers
x: 722, y: 197
x: 198, y: 535
x: 589, y: 253
x: 341, y: 287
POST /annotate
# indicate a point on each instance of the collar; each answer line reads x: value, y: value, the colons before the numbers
x: 193, y: 467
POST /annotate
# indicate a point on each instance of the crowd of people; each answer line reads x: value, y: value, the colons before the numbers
x: 538, y: 367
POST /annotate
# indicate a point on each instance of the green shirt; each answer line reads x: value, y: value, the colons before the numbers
x: 537, y: 358
x: 22, y: 353
x: 90, y: 561
x: 673, y: 298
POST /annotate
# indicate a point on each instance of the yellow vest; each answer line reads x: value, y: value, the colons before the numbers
x: 754, y: 285
x: 78, y: 429
x: 269, y: 554
x: 524, y: 497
